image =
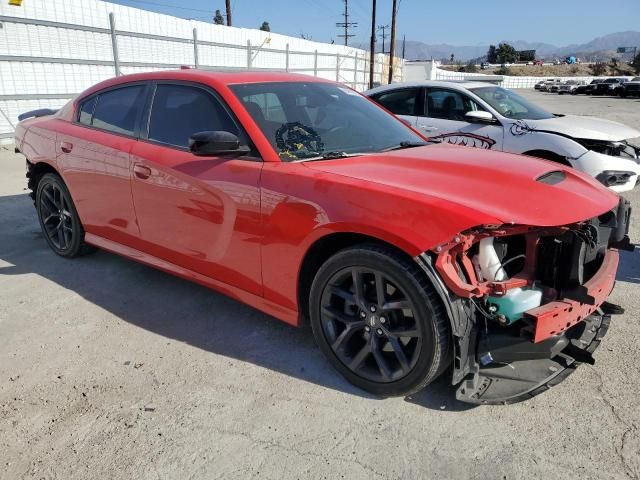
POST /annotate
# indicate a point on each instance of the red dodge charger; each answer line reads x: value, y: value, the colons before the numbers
x: 305, y: 200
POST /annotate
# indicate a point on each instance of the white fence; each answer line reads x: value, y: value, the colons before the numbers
x: 428, y: 70
x: 51, y: 50
x: 505, y: 80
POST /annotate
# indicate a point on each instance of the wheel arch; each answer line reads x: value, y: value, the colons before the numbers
x: 320, y: 251
x: 35, y: 172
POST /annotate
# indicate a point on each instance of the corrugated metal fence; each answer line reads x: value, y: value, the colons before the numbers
x: 51, y: 50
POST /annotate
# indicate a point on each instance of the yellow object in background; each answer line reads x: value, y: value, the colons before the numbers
x: 15, y: 3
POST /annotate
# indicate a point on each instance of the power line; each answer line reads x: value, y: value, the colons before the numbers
x: 392, y: 47
x: 383, y: 35
x: 228, y: 7
x: 346, y: 24
x: 372, y: 47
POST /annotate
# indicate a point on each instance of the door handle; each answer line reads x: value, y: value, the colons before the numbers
x: 66, y: 147
x: 141, y: 171
x: 428, y: 128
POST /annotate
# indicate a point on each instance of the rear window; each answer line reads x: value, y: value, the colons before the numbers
x: 118, y: 110
x: 86, y: 111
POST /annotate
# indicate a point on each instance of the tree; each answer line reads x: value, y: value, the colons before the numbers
x: 217, y: 19
x: 471, y: 67
x: 506, y: 53
x: 504, y: 71
x: 526, y: 55
x: 636, y: 64
x: 492, y: 54
x: 598, y: 69
x: 452, y: 57
x: 265, y: 27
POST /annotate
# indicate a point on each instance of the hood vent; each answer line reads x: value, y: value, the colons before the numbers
x: 552, y: 178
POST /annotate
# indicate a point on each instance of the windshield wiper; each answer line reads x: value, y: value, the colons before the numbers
x: 404, y: 144
x: 330, y: 156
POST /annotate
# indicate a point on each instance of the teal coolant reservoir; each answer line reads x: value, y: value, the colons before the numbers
x: 515, y: 302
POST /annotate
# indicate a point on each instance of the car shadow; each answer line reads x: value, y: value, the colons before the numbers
x: 629, y: 267
x: 178, y: 309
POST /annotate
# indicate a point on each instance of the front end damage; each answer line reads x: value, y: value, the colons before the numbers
x: 527, y: 304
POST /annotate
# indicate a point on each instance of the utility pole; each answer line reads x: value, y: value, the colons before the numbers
x: 384, y: 35
x: 392, y: 48
x: 228, y: 12
x: 346, y: 24
x: 372, y: 47
x: 404, y: 44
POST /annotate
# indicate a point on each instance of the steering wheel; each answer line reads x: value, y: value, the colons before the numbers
x: 298, y: 140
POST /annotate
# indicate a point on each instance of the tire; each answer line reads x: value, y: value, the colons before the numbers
x: 389, y: 346
x: 58, y: 217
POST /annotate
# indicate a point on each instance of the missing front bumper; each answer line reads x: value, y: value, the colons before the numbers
x: 511, y: 382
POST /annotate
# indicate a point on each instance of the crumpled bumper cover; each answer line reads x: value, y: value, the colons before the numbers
x: 501, y: 384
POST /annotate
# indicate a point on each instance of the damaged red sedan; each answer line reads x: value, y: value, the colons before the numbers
x: 305, y: 200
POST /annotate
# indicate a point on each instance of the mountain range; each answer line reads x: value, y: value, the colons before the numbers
x: 601, y: 46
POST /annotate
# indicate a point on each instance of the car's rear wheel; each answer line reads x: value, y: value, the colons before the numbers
x: 379, y: 321
x: 58, y: 217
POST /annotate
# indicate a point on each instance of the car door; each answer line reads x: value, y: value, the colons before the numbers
x: 93, y: 151
x: 405, y: 102
x: 444, y: 119
x: 200, y: 213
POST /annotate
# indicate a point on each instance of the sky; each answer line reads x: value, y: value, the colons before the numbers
x: 456, y: 22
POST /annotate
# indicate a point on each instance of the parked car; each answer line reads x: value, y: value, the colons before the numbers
x: 546, y: 86
x: 540, y: 83
x: 305, y: 200
x: 538, y: 62
x: 553, y: 88
x: 485, y: 66
x: 630, y: 88
x: 570, y: 86
x: 587, y: 89
x: 487, y: 116
x: 610, y: 86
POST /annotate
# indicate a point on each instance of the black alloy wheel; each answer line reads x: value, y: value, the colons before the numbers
x: 378, y: 320
x: 58, y: 217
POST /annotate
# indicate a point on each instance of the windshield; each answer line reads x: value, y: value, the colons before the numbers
x: 510, y: 104
x: 304, y: 120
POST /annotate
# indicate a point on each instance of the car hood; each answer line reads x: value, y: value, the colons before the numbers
x: 491, y: 185
x: 585, y: 127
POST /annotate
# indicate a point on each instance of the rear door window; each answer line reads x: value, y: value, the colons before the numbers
x: 118, y: 110
x: 400, y: 102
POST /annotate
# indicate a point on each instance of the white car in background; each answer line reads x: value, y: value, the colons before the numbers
x: 569, y: 86
x: 483, y: 115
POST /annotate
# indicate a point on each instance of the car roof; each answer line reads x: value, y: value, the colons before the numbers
x: 210, y: 77
x: 460, y: 85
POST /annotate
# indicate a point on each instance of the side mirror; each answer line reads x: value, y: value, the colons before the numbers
x: 208, y: 144
x: 479, y: 116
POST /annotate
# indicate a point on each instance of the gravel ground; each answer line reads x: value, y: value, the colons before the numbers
x: 109, y: 369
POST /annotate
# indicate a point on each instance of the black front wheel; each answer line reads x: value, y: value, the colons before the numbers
x: 379, y: 321
x: 58, y: 217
